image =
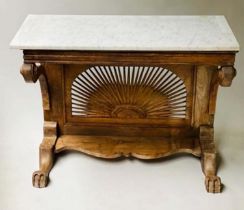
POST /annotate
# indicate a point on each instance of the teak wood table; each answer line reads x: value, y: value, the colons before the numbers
x: 140, y: 86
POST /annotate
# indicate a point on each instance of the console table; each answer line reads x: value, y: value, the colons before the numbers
x: 128, y: 86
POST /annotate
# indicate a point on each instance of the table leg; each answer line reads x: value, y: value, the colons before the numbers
x: 40, y: 178
x: 208, y: 160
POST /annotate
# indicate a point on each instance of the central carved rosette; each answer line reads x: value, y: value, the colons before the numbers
x: 128, y: 111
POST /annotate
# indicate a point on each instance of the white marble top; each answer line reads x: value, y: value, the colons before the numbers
x: 135, y: 33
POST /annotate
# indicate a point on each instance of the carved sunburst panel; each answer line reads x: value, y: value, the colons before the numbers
x: 128, y: 92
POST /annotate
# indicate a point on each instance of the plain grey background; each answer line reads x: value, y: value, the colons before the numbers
x: 81, y: 182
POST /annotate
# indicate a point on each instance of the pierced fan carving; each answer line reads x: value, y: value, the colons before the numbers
x: 128, y: 92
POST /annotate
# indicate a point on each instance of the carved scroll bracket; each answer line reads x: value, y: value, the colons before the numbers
x: 32, y: 73
x: 225, y: 75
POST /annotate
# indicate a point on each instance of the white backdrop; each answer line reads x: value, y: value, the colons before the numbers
x: 81, y: 182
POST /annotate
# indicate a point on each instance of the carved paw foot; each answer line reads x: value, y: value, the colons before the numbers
x: 213, y: 184
x: 39, y: 179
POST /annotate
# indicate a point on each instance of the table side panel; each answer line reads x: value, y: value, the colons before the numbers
x: 55, y: 80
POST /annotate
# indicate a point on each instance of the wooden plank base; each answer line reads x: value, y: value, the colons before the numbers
x: 120, y: 146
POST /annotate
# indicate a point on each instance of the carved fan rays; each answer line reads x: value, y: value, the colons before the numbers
x: 128, y: 92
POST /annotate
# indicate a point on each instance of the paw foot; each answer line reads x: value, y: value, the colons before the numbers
x: 213, y: 184
x: 39, y: 179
